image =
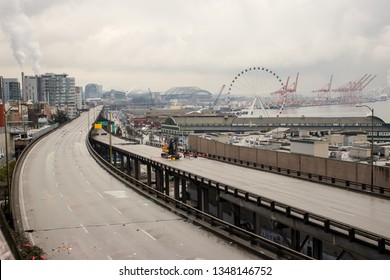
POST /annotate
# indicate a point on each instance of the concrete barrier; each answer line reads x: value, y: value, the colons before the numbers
x: 332, y: 170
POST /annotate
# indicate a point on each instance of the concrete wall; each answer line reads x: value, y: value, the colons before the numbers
x: 248, y: 155
x: 289, y: 161
x: 267, y: 157
x: 313, y: 165
x: 339, y: 170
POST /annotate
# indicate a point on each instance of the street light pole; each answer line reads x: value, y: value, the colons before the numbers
x: 110, y: 132
x: 372, y: 144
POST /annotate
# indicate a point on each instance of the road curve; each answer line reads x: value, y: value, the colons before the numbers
x: 74, y: 210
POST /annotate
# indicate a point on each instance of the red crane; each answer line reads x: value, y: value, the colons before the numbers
x: 352, y: 91
x: 324, y: 94
x: 287, y: 94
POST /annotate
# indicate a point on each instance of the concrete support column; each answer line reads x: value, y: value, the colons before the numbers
x: 137, y: 169
x: 295, y: 240
x: 149, y: 175
x: 237, y: 214
x: 128, y: 165
x: 219, y: 208
x: 122, y: 158
x: 107, y: 151
x: 184, y: 190
x: 166, y: 187
x: 160, y: 180
x: 176, y: 191
x: 257, y: 224
x: 206, y: 199
x: 199, y: 195
x: 317, y: 249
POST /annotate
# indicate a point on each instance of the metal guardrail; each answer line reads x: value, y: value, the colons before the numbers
x: 380, y: 243
x: 258, y: 244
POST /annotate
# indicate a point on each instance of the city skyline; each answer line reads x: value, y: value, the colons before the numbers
x: 159, y: 45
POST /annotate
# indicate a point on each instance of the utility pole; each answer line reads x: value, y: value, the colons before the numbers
x: 372, y: 144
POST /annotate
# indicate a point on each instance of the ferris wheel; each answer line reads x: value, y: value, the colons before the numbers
x: 253, y: 92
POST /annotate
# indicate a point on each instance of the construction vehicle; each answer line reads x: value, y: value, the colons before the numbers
x: 170, y: 151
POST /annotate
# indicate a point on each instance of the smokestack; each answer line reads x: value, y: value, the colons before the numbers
x: 1, y: 89
x: 23, y: 94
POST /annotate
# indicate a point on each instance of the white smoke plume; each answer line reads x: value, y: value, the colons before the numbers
x: 18, y: 27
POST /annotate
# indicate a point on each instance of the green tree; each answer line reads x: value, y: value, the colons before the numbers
x: 60, y: 117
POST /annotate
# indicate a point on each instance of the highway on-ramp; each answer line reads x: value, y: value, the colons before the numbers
x: 73, y: 209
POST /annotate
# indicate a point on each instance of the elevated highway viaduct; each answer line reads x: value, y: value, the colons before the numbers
x: 312, y: 218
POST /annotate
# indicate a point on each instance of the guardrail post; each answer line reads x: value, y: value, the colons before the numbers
x: 351, y: 234
x: 326, y: 225
x: 272, y: 205
x: 306, y: 218
x: 259, y: 201
x: 381, y: 245
x: 288, y: 212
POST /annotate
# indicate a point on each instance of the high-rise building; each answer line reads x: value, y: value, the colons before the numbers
x: 11, y: 89
x: 93, y: 91
x: 78, y: 95
x: 58, y: 90
x: 30, y: 88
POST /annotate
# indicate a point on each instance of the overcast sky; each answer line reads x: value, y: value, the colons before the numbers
x: 159, y: 44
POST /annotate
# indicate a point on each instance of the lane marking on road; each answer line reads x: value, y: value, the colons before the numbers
x: 99, y: 194
x: 341, y: 211
x: 84, y: 228
x: 117, y: 210
x: 288, y: 195
x: 70, y: 209
x: 88, y: 183
x: 109, y: 257
x: 148, y: 235
x: 60, y: 193
x: 117, y: 194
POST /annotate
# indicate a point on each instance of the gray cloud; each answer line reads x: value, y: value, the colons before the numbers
x: 162, y: 44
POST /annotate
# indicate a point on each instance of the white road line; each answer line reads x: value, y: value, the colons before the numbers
x: 99, y: 194
x: 288, y: 195
x: 108, y: 257
x: 88, y: 183
x: 84, y: 228
x: 70, y: 209
x: 341, y: 211
x: 117, y: 210
x: 60, y: 193
x: 148, y: 235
